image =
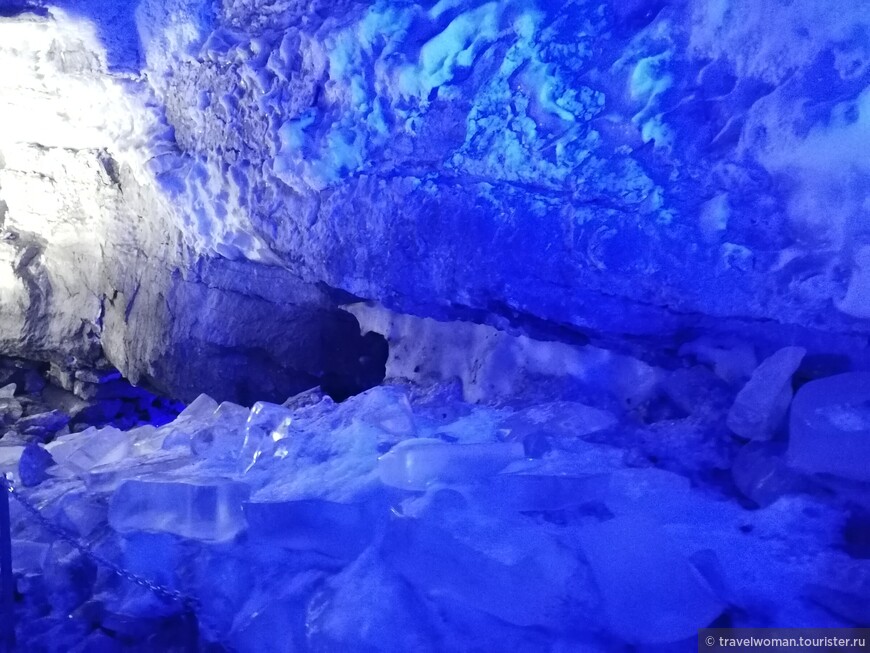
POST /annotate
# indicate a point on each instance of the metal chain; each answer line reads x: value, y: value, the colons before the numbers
x: 61, y: 533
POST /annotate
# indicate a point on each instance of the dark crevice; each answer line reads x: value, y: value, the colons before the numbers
x: 367, y: 368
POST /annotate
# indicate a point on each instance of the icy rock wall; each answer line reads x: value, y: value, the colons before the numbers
x: 93, y: 265
x: 567, y: 169
x: 69, y: 143
x: 631, y: 167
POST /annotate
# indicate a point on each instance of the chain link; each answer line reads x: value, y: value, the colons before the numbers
x: 188, y: 602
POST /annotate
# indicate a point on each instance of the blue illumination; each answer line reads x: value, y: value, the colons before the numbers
x: 452, y: 325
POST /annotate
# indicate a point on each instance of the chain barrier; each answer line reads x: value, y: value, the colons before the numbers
x: 62, y: 534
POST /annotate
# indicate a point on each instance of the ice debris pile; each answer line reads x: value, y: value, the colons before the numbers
x: 406, y: 518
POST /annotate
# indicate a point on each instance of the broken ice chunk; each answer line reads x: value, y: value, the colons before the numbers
x: 760, y: 407
x: 223, y: 438
x: 651, y: 593
x: 267, y: 425
x: 339, y: 530
x: 83, y: 451
x: 146, y: 439
x: 830, y: 427
x: 200, y: 510
x: 10, y: 455
x: 388, y: 621
x: 28, y: 557
x: 8, y: 391
x: 201, y: 408
x: 195, y: 417
x: 388, y: 409
x: 416, y: 464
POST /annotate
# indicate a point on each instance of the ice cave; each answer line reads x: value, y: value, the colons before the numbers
x: 423, y: 326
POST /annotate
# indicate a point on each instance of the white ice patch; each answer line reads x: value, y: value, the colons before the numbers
x: 647, y: 84
x: 457, y: 46
x: 493, y: 364
x: 769, y: 40
x: 56, y: 92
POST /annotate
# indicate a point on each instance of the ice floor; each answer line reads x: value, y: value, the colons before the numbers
x: 407, y: 519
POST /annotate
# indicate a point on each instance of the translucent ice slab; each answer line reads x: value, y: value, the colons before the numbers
x: 417, y: 464
x: 830, y: 427
x: 524, y: 590
x: 83, y: 451
x: 199, y: 510
x: 222, y: 439
x: 267, y: 424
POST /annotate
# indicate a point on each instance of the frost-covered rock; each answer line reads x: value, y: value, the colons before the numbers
x: 829, y: 430
x: 10, y: 410
x: 761, y: 406
x: 33, y: 465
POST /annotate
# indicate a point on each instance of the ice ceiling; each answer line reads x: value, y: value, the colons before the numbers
x: 658, y: 209
x: 643, y: 169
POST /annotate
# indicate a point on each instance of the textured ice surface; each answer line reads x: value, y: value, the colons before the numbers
x: 492, y: 363
x: 224, y: 440
x: 830, y: 427
x: 95, y: 447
